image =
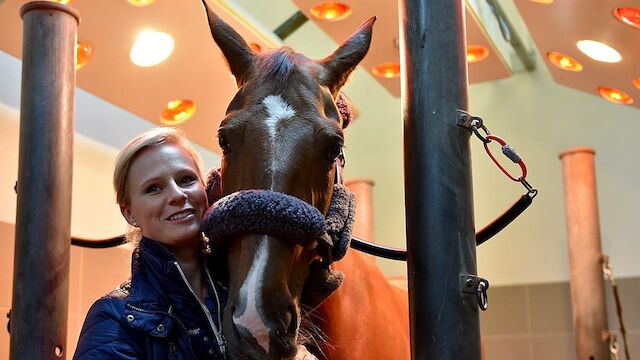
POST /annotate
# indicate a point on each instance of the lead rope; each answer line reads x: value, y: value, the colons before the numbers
x: 613, y: 342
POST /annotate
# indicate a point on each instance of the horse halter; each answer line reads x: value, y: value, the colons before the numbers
x: 290, y: 219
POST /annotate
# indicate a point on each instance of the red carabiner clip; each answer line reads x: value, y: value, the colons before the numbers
x: 509, y: 152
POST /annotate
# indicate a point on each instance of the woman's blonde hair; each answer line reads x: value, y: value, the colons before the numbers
x: 154, y: 137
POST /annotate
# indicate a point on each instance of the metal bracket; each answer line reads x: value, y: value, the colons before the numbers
x: 464, y: 119
x: 472, y: 284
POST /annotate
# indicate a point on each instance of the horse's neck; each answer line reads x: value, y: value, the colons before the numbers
x: 366, y: 318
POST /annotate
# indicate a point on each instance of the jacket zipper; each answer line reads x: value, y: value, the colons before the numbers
x: 215, y: 292
x: 213, y: 326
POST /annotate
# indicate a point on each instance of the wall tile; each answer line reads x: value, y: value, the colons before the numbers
x: 75, y: 272
x: 7, y: 240
x: 550, y: 308
x: 506, y: 348
x: 73, y: 332
x: 4, y: 335
x: 554, y: 347
x: 629, y: 290
x: 507, y: 313
x: 102, y: 271
x: 633, y: 338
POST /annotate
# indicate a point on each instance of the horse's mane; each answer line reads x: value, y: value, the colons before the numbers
x: 277, y: 66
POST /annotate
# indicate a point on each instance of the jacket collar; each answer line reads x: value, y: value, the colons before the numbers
x: 155, y: 277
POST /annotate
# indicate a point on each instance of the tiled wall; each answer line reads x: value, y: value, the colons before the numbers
x: 529, y: 322
x: 93, y: 273
x: 533, y: 322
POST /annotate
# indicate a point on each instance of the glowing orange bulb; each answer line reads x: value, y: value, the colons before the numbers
x: 476, y: 53
x: 387, y: 70
x: 564, y: 62
x: 636, y: 83
x: 84, y: 51
x: 62, y: 1
x: 615, y: 96
x: 542, y: 1
x: 330, y: 11
x: 629, y: 16
x: 177, y: 111
x: 140, y: 2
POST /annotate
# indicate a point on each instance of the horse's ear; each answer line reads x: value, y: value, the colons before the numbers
x: 239, y: 56
x: 344, y: 60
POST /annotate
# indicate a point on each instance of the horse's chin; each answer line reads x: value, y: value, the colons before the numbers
x: 240, y: 347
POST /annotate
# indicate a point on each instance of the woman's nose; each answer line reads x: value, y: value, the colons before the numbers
x: 177, y: 194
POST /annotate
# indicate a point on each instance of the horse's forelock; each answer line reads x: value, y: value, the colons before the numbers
x: 277, y: 66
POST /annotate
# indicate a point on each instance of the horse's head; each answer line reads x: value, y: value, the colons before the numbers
x: 282, y: 132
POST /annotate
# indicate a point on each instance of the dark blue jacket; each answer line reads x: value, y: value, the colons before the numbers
x: 155, y: 315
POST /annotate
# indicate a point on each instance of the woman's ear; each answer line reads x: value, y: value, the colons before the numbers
x: 128, y: 215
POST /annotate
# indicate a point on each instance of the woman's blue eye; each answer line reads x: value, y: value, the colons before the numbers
x: 152, y: 189
x: 188, y: 180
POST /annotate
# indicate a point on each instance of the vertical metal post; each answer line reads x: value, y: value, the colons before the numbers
x: 438, y: 188
x: 43, y: 221
x: 585, y: 253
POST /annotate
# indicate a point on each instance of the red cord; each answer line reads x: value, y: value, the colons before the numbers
x: 501, y: 141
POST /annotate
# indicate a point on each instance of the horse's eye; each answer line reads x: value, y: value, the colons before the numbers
x: 224, y: 144
x: 334, y: 152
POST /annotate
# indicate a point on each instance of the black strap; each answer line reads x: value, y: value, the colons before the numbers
x: 483, y: 235
x: 386, y: 252
x: 99, y: 244
x: 503, y: 220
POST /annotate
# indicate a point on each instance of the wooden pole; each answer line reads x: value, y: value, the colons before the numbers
x: 585, y: 254
x: 43, y: 220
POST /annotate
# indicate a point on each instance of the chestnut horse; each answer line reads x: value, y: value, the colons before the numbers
x: 283, y: 132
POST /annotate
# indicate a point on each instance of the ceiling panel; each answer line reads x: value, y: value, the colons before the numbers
x: 558, y: 26
x: 384, y: 46
x: 195, y: 70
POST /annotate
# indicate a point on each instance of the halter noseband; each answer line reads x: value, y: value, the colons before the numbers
x: 288, y: 218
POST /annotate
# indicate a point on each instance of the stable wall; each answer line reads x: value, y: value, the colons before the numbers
x: 540, y: 119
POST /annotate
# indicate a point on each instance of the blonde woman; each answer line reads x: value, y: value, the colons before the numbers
x: 171, y: 306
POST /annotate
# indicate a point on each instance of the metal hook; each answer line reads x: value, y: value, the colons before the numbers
x: 481, y: 294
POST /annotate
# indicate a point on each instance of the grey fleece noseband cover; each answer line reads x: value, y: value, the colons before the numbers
x: 287, y: 218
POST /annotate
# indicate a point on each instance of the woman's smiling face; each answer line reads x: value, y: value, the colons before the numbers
x: 167, y: 198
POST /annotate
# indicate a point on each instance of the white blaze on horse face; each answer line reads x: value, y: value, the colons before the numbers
x: 278, y: 111
x: 250, y: 318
